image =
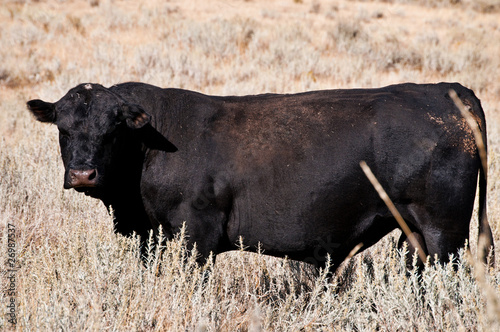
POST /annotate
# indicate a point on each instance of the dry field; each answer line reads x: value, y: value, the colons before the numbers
x: 73, y: 273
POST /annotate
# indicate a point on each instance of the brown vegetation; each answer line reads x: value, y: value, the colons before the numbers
x: 75, y: 274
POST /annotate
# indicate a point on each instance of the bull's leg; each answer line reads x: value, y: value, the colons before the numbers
x: 204, y: 227
x: 444, y: 242
x: 130, y: 219
x: 441, y: 231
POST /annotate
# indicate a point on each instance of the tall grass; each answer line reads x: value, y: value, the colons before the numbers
x: 96, y: 281
x: 76, y: 274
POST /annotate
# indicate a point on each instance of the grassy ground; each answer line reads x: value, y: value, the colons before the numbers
x: 75, y: 274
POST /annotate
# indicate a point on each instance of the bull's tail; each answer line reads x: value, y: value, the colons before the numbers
x: 485, y: 248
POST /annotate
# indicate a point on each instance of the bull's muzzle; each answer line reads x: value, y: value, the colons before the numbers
x: 82, y: 178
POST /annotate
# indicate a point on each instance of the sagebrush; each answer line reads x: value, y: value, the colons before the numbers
x: 74, y: 273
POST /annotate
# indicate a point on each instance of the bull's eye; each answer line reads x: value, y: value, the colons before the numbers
x: 63, y: 139
x: 64, y: 135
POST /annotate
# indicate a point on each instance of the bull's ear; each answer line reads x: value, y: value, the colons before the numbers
x: 43, y: 111
x: 135, y: 116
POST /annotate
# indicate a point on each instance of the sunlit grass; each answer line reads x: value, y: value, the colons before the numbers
x: 76, y: 274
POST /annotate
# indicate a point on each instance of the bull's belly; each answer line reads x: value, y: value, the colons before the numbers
x: 300, y: 230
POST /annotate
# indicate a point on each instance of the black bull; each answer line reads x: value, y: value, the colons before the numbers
x: 279, y: 170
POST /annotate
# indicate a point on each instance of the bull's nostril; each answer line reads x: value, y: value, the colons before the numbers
x: 92, y: 175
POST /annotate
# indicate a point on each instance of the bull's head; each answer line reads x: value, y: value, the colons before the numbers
x: 90, y: 119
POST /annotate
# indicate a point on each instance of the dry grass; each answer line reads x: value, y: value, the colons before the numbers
x: 75, y: 274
